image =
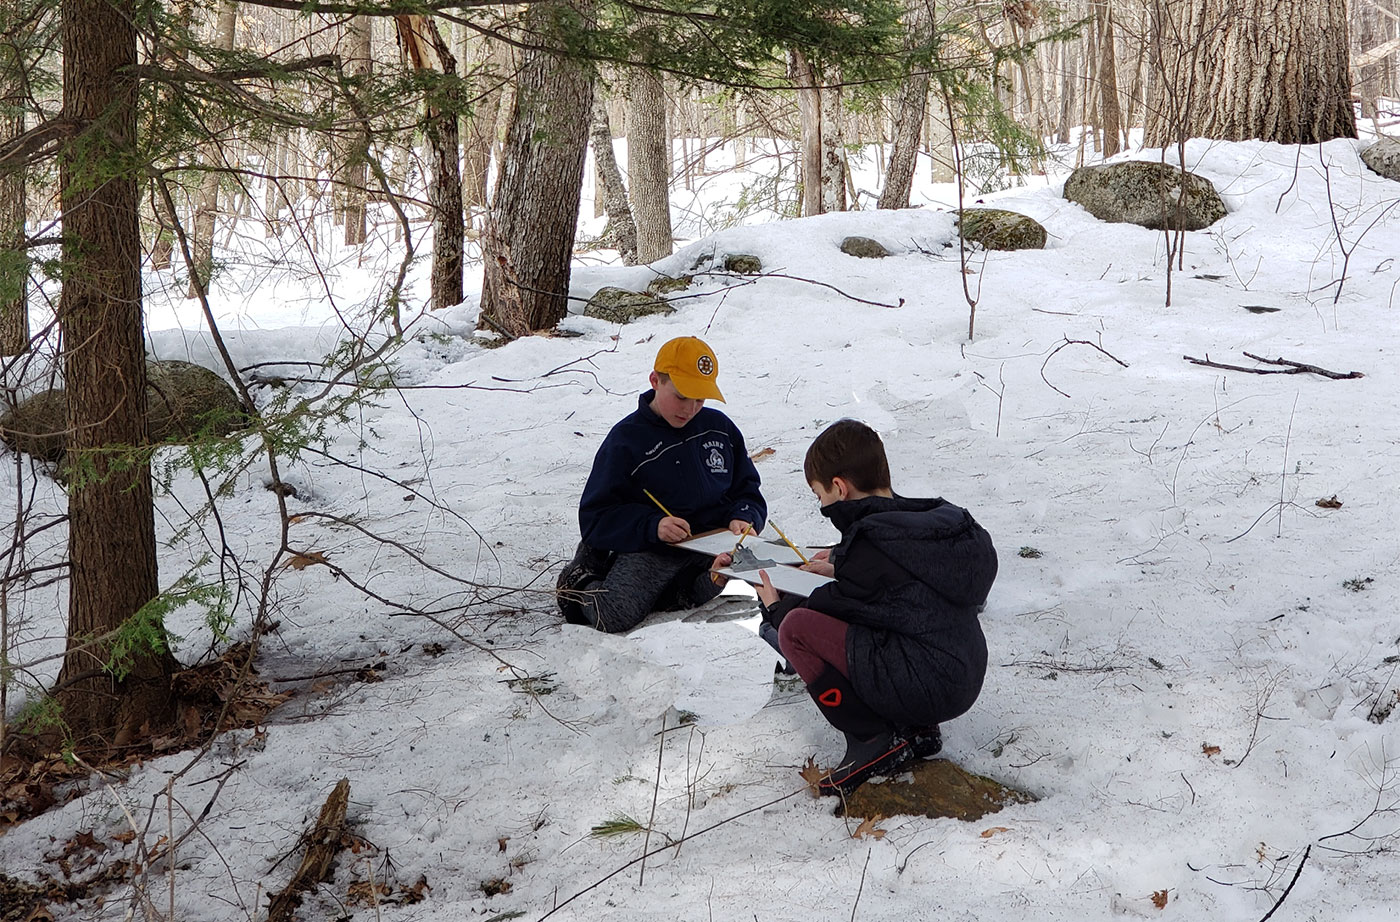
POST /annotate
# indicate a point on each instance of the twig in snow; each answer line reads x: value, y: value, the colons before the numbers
x: 1074, y: 342
x: 1290, y: 367
x: 1286, y: 890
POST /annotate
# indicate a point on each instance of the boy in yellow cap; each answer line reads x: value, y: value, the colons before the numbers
x: 672, y: 468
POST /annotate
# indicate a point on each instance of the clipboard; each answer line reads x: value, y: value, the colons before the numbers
x: 722, y: 541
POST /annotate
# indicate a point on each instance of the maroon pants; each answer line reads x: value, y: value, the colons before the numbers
x: 812, y: 641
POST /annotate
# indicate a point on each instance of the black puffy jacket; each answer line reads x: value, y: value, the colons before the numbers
x: 911, y: 577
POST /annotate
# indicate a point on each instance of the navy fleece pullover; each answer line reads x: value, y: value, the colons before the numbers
x: 700, y: 472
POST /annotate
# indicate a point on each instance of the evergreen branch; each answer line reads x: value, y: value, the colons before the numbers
x: 270, y: 70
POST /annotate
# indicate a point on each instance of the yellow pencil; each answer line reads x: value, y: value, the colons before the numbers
x: 658, y: 503
x: 787, y: 542
x: 747, y: 531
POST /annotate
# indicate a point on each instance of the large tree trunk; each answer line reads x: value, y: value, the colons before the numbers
x: 206, y: 203
x: 14, y: 270
x: 111, y: 527
x: 419, y: 35
x: 649, y: 164
x: 359, y: 63
x: 613, y: 194
x: 1275, y: 70
x: 809, y: 113
x: 1110, y: 114
x: 534, y: 213
x: 833, y: 148
x: 910, y: 106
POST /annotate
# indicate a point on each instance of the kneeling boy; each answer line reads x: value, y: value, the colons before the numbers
x: 672, y: 468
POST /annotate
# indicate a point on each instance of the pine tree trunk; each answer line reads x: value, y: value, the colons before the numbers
x: 420, y: 36
x: 911, y: 103
x: 480, y: 130
x: 1235, y: 70
x: 534, y: 212
x: 1109, y: 113
x: 649, y: 164
x: 111, y: 528
x: 14, y: 270
x: 809, y: 113
x: 611, y: 191
x: 359, y: 54
x: 206, y: 205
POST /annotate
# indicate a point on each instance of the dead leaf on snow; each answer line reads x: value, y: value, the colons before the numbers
x: 302, y: 561
x: 993, y: 830
x: 868, y: 827
x: 813, y: 775
x: 1332, y: 503
x: 1210, y: 751
x: 761, y: 454
x: 1159, y: 899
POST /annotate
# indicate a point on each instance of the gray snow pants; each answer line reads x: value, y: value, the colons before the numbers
x: 642, y: 582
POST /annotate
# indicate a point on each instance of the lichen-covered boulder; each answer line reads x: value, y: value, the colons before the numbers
x: 743, y: 264
x: 864, y: 248
x: 183, y: 401
x: 1383, y: 156
x: 665, y: 284
x: 1147, y: 194
x: 999, y: 229
x: 939, y: 788
x: 618, y: 305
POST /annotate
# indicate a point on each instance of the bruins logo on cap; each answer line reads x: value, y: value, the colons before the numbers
x: 705, y: 365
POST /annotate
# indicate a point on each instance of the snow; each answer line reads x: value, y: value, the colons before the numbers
x: 1183, y: 676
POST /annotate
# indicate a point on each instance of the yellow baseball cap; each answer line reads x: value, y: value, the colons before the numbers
x: 692, y: 367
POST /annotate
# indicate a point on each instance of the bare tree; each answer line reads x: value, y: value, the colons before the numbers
x: 649, y: 164
x: 111, y: 529
x: 359, y: 65
x: 809, y: 113
x: 911, y: 102
x: 534, y: 212
x: 614, y: 193
x: 206, y: 203
x: 14, y: 270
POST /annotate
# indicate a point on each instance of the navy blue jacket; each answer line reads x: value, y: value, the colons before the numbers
x: 911, y: 575
x: 700, y: 472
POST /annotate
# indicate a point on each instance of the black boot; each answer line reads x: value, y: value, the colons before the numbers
x: 924, y: 741
x: 588, y: 565
x: 872, y: 745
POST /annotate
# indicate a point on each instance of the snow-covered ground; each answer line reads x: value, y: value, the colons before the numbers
x: 1190, y: 658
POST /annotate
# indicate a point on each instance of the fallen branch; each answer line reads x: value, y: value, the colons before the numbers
x: 1289, y: 367
x: 322, y: 844
x: 1073, y: 342
x: 1286, y: 890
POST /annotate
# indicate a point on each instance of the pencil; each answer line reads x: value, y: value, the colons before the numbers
x: 658, y: 503
x: 787, y: 542
x: 747, y: 531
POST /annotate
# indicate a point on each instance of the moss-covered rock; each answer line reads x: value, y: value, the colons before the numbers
x: 939, y: 789
x: 864, y: 248
x: 743, y: 264
x: 618, y: 305
x: 999, y: 229
x: 183, y: 401
x: 1147, y: 194
x: 665, y: 284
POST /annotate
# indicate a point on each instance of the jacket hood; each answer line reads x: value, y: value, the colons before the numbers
x: 936, y: 542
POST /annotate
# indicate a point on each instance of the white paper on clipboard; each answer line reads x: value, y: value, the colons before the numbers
x: 722, y: 541
x: 784, y: 579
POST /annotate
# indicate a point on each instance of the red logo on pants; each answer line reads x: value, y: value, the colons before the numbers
x: 831, y: 697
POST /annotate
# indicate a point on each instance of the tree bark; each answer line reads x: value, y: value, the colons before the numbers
x: 649, y: 164
x: 910, y: 106
x: 206, y: 203
x: 833, y: 149
x: 529, y: 241
x: 14, y: 269
x: 809, y: 113
x: 480, y: 128
x: 359, y: 52
x: 1110, y: 115
x: 111, y: 528
x: 1275, y: 70
x: 612, y: 193
x: 420, y: 35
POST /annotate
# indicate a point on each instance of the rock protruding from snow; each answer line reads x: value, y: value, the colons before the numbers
x: 864, y: 248
x: 184, y: 401
x: 939, y: 789
x: 618, y: 305
x: 1383, y: 157
x: 1147, y: 194
x: 999, y: 229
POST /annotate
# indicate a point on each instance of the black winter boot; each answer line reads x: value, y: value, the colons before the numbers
x: 588, y: 565
x: 923, y: 741
x: 872, y: 745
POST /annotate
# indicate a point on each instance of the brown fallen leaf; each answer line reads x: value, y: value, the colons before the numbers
x: 993, y: 830
x: 868, y: 827
x: 1210, y: 750
x: 813, y: 775
x: 1159, y: 899
x: 761, y: 453
x: 1331, y: 503
x: 302, y: 561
